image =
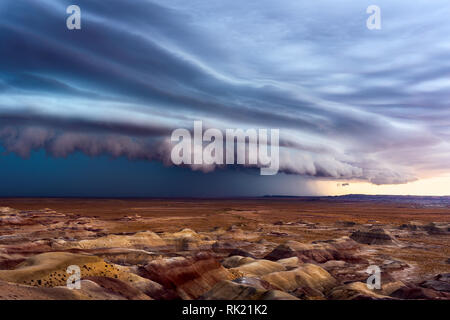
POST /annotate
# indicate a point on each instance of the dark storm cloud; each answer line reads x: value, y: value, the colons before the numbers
x: 82, y: 125
x: 350, y: 102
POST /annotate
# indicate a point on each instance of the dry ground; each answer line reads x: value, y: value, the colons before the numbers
x: 428, y: 253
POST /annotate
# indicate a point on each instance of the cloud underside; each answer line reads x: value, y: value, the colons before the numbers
x: 350, y: 103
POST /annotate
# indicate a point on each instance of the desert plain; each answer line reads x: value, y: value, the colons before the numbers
x: 272, y: 248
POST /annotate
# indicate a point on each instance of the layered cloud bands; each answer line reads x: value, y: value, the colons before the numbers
x: 349, y: 102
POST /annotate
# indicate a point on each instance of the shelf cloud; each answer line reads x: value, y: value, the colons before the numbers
x: 350, y: 103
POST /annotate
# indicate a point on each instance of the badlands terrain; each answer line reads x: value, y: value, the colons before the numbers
x: 252, y: 249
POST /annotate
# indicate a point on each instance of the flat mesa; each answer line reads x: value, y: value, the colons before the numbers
x: 199, y: 310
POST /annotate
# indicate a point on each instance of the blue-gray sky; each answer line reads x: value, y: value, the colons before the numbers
x: 89, y: 112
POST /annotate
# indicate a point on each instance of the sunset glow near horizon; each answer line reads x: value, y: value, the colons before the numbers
x: 437, y: 186
x: 91, y: 111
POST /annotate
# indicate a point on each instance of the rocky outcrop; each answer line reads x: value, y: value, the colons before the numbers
x: 27, y: 248
x: 432, y: 228
x: 277, y: 295
x: 345, y: 224
x: 412, y: 226
x: 242, y: 253
x: 342, y: 244
x: 89, y: 291
x: 256, y: 283
x: 316, y: 252
x: 437, y: 228
x: 50, y: 269
x: 140, y: 240
x: 440, y: 282
x: 122, y: 256
x: 373, y: 236
x: 189, y: 277
x: 414, y: 292
x: 236, y: 261
x: 345, y: 272
x: 290, y: 263
x: 228, y: 246
x: 229, y: 290
x: 187, y: 240
x: 258, y: 268
x: 240, y: 247
x: 236, y: 233
x: 355, y: 291
x: 312, y: 277
x: 393, y: 265
x: 118, y: 287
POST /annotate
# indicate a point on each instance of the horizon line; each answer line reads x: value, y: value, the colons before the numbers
x: 219, y: 197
